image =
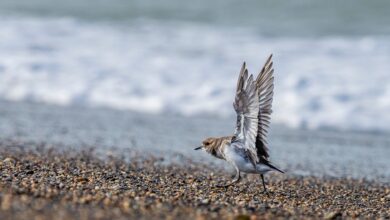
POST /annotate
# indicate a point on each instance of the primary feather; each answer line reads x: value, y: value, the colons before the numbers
x: 265, y: 87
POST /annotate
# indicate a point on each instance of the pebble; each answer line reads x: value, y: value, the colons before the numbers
x: 333, y: 215
x: 47, y: 184
x: 8, y: 160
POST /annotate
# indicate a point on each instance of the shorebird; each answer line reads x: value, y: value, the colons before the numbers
x: 247, y: 149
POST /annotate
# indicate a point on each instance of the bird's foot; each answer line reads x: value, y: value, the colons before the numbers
x: 266, y: 192
x: 234, y: 181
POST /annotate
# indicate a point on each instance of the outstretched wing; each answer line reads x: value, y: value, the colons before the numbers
x: 265, y: 87
x: 246, y: 105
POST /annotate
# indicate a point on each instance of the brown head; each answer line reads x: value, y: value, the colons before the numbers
x: 213, y: 145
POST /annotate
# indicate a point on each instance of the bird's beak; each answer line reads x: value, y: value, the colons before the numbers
x: 198, y: 148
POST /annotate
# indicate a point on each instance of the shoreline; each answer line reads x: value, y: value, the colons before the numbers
x: 45, y: 183
x: 304, y: 152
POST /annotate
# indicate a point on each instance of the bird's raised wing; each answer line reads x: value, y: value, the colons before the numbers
x: 246, y: 105
x: 265, y: 88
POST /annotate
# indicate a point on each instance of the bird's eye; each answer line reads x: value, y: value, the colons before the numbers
x: 207, y: 143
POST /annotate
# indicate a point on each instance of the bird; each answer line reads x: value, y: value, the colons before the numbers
x: 247, y: 149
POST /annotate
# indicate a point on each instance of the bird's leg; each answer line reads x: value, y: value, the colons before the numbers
x: 265, y: 188
x: 236, y: 179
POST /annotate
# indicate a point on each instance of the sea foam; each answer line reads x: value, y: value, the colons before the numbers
x: 190, y: 69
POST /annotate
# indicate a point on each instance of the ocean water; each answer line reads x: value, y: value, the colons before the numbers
x: 331, y: 58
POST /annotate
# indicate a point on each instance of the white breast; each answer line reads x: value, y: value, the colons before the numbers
x: 238, y: 161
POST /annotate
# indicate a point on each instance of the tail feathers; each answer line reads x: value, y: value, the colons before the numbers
x: 273, y: 167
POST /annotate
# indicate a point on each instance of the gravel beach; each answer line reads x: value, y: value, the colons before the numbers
x: 47, y: 183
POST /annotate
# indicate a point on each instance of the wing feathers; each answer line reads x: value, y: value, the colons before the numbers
x: 239, y: 81
x: 267, y: 66
x: 253, y: 105
x: 246, y: 104
x: 265, y: 85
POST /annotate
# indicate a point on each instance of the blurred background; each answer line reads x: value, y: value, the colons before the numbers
x: 161, y: 75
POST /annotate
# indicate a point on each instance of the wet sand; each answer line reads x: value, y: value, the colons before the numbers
x: 47, y: 183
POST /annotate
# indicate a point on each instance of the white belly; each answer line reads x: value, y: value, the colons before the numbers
x: 242, y: 164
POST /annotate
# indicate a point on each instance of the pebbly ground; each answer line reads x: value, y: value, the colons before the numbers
x: 47, y: 183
